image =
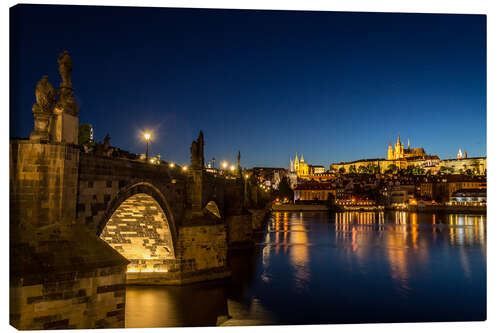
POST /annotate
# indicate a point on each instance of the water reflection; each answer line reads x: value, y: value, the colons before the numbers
x: 338, y: 268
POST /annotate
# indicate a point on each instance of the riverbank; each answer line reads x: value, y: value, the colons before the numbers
x: 441, y: 209
x: 419, y: 209
x: 299, y: 208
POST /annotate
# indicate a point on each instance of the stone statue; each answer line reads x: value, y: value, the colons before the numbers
x: 197, y: 159
x: 107, y: 138
x: 65, y: 68
x: 66, y: 102
x: 45, y: 96
x: 42, y: 110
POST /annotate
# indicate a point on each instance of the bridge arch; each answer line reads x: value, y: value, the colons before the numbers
x: 139, y: 224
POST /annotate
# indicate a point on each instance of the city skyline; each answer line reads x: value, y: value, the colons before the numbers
x: 334, y: 86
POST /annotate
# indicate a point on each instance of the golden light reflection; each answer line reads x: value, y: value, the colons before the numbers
x: 414, y: 229
x: 397, y: 257
x: 299, y: 254
x: 354, y: 242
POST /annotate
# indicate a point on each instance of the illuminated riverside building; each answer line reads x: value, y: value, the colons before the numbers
x: 311, y: 191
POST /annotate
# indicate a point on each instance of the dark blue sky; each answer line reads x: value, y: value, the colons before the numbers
x: 333, y: 86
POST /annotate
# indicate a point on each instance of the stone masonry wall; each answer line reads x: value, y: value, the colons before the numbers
x: 240, y: 231
x: 202, y: 247
x: 41, y: 175
x: 94, y: 299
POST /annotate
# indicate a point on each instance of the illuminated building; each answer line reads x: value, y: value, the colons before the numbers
x: 399, y: 151
x: 442, y: 190
x: 476, y: 165
x: 311, y: 190
x: 461, y: 155
x: 300, y: 167
x: 309, y: 172
x: 469, y: 197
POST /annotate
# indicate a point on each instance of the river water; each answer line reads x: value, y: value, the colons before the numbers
x: 311, y: 268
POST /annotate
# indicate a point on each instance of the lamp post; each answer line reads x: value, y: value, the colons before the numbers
x: 147, y: 137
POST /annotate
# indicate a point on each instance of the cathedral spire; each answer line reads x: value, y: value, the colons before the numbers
x: 408, y: 143
x: 302, y: 157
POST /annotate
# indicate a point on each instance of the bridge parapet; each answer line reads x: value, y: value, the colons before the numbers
x: 104, y: 183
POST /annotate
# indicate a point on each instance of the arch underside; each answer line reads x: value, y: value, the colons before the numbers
x: 139, y: 230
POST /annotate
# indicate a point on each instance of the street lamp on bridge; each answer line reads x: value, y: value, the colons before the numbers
x: 147, y: 137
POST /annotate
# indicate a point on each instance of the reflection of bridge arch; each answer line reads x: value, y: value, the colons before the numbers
x: 139, y: 225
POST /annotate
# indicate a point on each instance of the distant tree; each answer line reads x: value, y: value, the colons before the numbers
x: 469, y: 172
x: 393, y: 168
x: 341, y: 170
x: 475, y: 167
x: 443, y: 169
x: 363, y: 169
x: 417, y: 171
x: 370, y: 168
x: 284, y: 189
x: 352, y: 169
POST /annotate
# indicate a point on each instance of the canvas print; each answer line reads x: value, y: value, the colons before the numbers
x: 176, y: 167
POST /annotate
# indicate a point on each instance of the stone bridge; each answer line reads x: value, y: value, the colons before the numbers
x: 83, y: 225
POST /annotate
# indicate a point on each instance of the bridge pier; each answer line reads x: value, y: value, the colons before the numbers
x: 201, y: 255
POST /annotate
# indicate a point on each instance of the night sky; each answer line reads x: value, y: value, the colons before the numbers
x: 333, y: 86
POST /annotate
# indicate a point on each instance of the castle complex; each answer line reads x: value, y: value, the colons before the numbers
x: 399, y: 157
x: 399, y: 151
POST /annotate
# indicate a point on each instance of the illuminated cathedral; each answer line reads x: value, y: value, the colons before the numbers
x: 300, y: 167
x: 400, y: 152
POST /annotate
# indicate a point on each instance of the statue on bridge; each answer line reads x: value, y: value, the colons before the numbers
x: 42, y: 110
x: 45, y: 96
x: 197, y: 159
x: 65, y: 68
x: 66, y: 102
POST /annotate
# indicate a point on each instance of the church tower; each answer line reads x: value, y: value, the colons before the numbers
x: 296, y: 163
x: 390, y: 153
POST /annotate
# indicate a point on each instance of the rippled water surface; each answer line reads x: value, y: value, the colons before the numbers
x: 336, y: 268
